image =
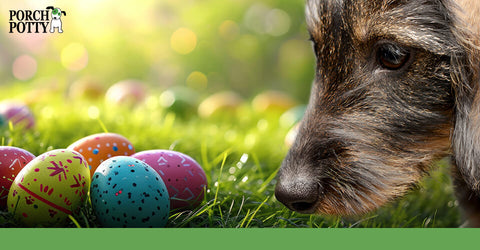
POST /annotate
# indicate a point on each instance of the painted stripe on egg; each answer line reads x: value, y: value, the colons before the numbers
x: 44, y: 200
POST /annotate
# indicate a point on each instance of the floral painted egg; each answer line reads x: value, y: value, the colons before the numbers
x: 127, y: 92
x: 18, y: 113
x: 126, y: 192
x: 12, y: 160
x: 49, y: 189
x: 184, y: 177
x: 97, y: 148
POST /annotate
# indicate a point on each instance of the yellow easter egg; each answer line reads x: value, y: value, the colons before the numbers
x: 222, y: 102
x: 49, y: 188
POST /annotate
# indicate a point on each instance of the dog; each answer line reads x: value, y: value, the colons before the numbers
x: 56, y: 21
x: 396, y: 88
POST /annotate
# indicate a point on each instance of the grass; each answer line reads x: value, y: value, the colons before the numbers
x: 240, y: 153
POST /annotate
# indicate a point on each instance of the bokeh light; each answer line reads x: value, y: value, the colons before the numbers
x: 74, y: 57
x: 228, y: 30
x: 208, y: 46
x: 277, y: 22
x: 24, y: 67
x: 183, y: 41
x: 197, y: 80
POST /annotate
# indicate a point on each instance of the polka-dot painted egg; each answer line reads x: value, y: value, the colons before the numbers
x: 99, y: 147
x: 12, y: 160
x: 18, y: 113
x: 50, y: 188
x: 127, y: 192
x: 184, y: 177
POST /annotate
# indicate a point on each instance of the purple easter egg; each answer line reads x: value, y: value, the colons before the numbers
x: 18, y: 113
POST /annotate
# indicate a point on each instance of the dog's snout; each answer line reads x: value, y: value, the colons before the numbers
x: 298, y: 194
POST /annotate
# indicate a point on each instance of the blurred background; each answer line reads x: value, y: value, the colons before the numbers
x: 206, y: 45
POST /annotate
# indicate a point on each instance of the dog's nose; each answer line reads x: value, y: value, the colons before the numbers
x: 300, y: 195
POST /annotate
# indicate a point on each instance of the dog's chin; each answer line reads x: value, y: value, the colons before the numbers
x: 345, y: 208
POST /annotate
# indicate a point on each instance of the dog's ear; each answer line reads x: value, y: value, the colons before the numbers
x: 50, y: 8
x: 465, y: 67
x: 64, y: 13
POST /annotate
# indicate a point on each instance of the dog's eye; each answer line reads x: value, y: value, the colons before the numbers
x: 392, y: 56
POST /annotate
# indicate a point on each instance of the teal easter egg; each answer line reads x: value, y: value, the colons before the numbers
x: 126, y: 192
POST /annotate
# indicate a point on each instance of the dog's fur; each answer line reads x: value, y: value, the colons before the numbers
x: 371, y: 132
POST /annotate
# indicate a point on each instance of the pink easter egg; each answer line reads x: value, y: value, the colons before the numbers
x: 18, y: 113
x: 127, y: 92
x: 184, y: 177
x: 12, y: 160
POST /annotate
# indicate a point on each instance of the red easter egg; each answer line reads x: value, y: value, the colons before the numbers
x: 183, y: 176
x: 97, y: 148
x: 12, y: 160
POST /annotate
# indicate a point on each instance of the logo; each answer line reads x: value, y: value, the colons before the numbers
x: 36, y: 21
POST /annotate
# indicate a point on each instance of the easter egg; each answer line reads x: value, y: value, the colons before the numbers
x: 183, y: 176
x: 222, y: 102
x: 272, y: 100
x: 88, y: 88
x: 50, y: 188
x: 3, y: 121
x: 292, y: 116
x: 182, y: 101
x: 127, y: 92
x: 97, y: 148
x: 12, y: 160
x: 18, y: 113
x: 127, y: 192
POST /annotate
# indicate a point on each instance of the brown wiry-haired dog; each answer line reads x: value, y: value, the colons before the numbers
x: 396, y: 88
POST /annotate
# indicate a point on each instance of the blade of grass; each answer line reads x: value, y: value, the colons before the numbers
x: 102, y: 125
x: 257, y: 163
x: 256, y: 210
x: 245, y: 218
x: 267, y: 181
x: 196, y: 214
x: 74, y: 221
x: 203, y: 152
x: 219, y: 176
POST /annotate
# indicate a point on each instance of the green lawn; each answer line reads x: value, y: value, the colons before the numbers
x: 240, y: 153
